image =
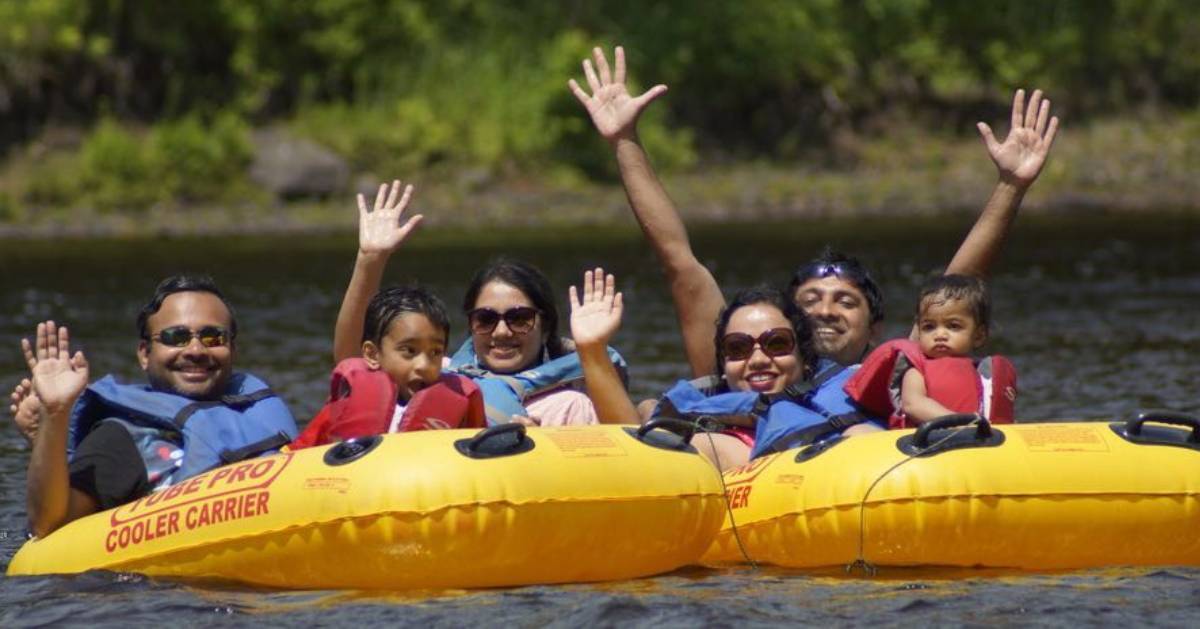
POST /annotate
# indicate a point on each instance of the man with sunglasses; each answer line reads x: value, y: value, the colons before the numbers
x: 102, y: 445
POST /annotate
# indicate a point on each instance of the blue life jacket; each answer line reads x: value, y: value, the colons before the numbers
x: 804, y: 413
x: 504, y: 395
x: 823, y: 396
x: 179, y: 437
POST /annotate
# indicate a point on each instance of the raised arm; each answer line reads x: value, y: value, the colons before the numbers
x: 695, y: 292
x: 1019, y: 160
x: 379, y: 235
x: 58, y: 380
x: 594, y: 319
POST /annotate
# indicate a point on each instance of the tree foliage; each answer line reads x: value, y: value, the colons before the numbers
x: 475, y: 81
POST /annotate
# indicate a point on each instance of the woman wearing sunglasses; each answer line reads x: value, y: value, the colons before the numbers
x: 765, y: 356
x: 762, y: 392
x: 527, y: 372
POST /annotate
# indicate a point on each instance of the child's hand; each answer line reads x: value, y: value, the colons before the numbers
x: 613, y: 110
x: 379, y: 230
x: 1023, y: 153
x: 596, y: 317
x: 26, y: 408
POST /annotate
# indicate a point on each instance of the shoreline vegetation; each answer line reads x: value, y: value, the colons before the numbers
x: 141, y: 117
x: 1144, y: 164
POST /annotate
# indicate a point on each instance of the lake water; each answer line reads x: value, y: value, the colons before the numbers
x: 1099, y: 314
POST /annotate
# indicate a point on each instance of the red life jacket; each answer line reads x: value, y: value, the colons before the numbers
x: 987, y: 387
x: 362, y: 401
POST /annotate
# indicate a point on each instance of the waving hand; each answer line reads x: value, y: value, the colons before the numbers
x: 596, y: 317
x: 613, y: 110
x: 1021, y: 155
x: 379, y: 229
x: 58, y: 377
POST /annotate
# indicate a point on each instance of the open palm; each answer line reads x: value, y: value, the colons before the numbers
x: 612, y: 109
x: 379, y: 229
x: 58, y: 377
x: 595, y: 317
x: 1020, y: 157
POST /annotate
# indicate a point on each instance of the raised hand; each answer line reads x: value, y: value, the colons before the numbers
x: 613, y: 110
x: 379, y: 230
x: 596, y: 317
x: 58, y: 377
x: 1021, y: 155
x: 26, y: 408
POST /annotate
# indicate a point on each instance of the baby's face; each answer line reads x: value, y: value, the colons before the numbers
x: 946, y: 327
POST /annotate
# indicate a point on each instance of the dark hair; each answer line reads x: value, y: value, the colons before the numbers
x: 529, y: 280
x: 846, y: 267
x: 182, y: 284
x: 772, y: 297
x: 968, y: 288
x: 390, y: 303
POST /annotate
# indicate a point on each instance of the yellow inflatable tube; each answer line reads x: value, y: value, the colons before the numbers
x: 1026, y: 496
x: 414, y: 511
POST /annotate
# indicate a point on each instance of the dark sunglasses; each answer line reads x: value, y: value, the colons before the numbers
x: 181, y: 336
x: 774, y: 342
x: 520, y: 319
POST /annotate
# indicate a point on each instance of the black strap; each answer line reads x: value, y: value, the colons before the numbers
x: 807, y: 435
x: 274, y: 442
x: 709, y: 385
x: 236, y: 402
x: 799, y: 390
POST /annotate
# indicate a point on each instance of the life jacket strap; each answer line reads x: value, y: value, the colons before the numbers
x: 251, y: 450
x: 236, y: 402
x: 807, y: 435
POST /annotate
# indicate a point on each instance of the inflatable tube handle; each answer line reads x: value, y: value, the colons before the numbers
x: 1133, y: 427
x: 921, y: 438
x: 478, y: 447
x: 683, y: 428
x: 495, y: 431
x: 351, y: 450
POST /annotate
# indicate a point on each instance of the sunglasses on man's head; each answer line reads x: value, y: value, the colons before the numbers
x: 826, y: 269
x: 520, y: 319
x: 181, y: 336
x: 774, y: 342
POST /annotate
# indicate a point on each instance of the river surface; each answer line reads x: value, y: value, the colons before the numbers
x: 1099, y: 314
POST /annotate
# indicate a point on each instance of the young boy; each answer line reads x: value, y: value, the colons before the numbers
x: 913, y: 382
x: 393, y: 382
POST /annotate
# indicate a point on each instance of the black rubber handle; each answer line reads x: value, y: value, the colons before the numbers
x: 495, y: 431
x: 680, y: 427
x: 1134, y: 426
x: 921, y: 438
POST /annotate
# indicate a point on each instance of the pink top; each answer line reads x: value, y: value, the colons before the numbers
x: 562, y: 407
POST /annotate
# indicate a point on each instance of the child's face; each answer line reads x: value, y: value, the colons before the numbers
x: 946, y: 327
x: 411, y: 353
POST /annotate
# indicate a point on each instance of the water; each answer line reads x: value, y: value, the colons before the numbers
x: 1097, y: 312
